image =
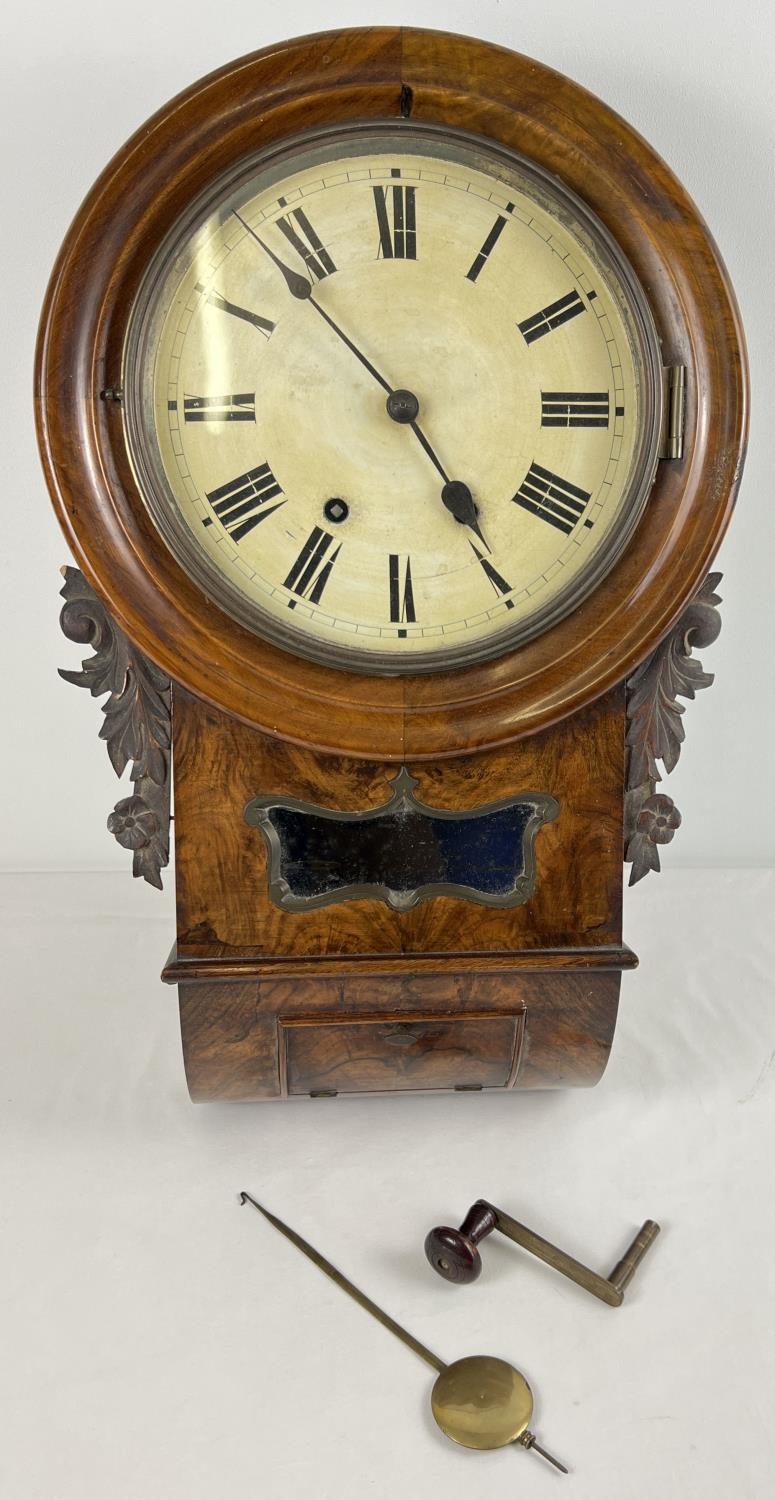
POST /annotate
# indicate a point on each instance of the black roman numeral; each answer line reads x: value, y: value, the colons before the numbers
x: 401, y: 592
x: 311, y: 571
x: 492, y: 239
x: 550, y: 317
x: 307, y: 243
x: 241, y: 408
x: 553, y: 499
x: 264, y: 325
x: 397, y: 221
x: 574, y: 409
x: 498, y: 582
x: 243, y: 502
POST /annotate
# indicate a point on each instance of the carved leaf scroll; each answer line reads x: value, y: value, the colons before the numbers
x: 655, y: 730
x: 136, y: 728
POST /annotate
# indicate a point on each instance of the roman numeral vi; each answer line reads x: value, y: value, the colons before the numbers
x: 401, y: 593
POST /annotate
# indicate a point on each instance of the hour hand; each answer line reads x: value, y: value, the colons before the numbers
x: 297, y: 285
x: 459, y: 501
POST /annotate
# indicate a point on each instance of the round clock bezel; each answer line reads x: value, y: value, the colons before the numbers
x: 368, y: 75
x: 143, y: 444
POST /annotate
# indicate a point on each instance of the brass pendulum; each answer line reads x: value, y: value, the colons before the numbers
x: 479, y: 1402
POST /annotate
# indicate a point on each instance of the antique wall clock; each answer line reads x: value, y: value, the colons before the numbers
x: 392, y: 396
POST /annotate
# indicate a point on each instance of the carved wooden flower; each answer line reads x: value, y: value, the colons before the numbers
x: 133, y: 823
x: 658, y: 819
x: 655, y: 824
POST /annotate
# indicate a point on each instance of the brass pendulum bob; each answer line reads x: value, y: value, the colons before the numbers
x: 479, y: 1402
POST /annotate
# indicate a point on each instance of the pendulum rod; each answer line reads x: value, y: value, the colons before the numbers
x: 348, y: 1287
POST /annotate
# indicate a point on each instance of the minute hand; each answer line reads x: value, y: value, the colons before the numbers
x: 301, y: 288
x: 456, y: 496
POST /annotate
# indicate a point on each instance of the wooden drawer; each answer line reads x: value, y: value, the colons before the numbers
x: 336, y: 1055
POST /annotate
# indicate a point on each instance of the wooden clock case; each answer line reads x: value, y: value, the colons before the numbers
x: 355, y: 996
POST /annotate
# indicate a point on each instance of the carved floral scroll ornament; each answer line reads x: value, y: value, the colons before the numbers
x: 655, y: 730
x: 136, y: 727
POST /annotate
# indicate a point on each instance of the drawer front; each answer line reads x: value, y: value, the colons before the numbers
x: 378, y: 1055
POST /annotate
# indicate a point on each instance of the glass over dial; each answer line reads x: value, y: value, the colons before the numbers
x: 393, y: 398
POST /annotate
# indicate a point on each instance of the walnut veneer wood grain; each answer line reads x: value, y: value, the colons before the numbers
x: 415, y: 1052
x: 522, y: 997
x: 224, y: 907
x: 558, y: 1031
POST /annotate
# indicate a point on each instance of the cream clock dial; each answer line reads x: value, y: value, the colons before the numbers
x: 393, y: 398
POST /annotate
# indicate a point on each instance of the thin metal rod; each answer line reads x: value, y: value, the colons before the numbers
x: 348, y: 1287
x: 609, y: 1290
x: 528, y: 1441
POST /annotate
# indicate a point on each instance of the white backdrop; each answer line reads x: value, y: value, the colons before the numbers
x: 159, y: 1343
x: 78, y: 78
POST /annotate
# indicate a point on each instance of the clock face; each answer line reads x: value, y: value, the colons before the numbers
x: 393, y: 398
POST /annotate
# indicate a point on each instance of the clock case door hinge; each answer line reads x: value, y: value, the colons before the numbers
x: 671, y: 437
